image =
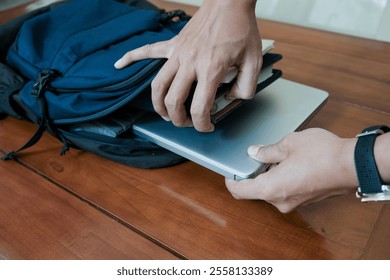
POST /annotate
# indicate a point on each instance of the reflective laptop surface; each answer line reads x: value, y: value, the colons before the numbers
x: 274, y: 112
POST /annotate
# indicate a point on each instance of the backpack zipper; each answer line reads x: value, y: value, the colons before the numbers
x: 122, y: 85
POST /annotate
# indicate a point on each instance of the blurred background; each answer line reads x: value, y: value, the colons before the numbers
x: 5, y: 4
x: 361, y: 18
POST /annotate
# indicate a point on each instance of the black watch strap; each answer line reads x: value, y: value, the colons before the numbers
x: 370, y: 182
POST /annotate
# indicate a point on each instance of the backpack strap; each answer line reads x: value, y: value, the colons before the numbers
x: 40, y: 86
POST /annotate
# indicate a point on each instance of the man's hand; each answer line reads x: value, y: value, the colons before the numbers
x: 222, y: 34
x: 308, y: 166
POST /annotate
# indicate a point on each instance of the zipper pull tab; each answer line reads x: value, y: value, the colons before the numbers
x: 44, y: 78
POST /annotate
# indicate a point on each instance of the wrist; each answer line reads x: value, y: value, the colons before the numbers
x: 348, y: 163
x: 243, y: 5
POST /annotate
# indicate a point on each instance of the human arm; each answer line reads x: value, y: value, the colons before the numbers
x: 222, y: 34
x: 312, y: 165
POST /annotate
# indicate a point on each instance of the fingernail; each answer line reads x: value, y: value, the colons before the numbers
x: 229, y: 97
x: 252, y: 150
x: 211, y: 128
x: 188, y: 123
x: 166, y: 118
x: 118, y: 64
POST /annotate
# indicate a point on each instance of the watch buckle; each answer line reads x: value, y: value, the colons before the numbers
x: 370, y: 132
x: 375, y: 197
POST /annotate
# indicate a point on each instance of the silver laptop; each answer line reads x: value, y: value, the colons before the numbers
x: 274, y: 112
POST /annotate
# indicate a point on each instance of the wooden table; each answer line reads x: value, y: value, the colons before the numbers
x: 81, y: 206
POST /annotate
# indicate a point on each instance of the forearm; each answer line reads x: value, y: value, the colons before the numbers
x: 228, y: 11
x: 346, y: 167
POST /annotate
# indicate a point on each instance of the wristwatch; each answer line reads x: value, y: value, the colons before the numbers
x: 371, y: 187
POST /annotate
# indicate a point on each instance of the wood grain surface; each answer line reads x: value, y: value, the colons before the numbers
x: 83, y: 206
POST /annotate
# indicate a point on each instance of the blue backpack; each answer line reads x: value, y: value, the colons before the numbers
x: 60, y: 66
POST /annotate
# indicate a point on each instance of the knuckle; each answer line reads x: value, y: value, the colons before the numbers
x: 286, y: 141
x: 282, y: 202
x: 245, y: 90
x: 172, y: 102
x: 128, y: 57
x: 259, y: 65
x: 157, y: 97
x: 263, y: 152
x: 146, y: 50
x: 199, y: 112
x: 188, y: 57
x: 158, y: 108
x: 248, y: 94
x: 284, y: 208
x: 156, y: 85
x: 234, y: 191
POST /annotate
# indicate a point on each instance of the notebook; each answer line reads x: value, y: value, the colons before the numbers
x: 281, y: 108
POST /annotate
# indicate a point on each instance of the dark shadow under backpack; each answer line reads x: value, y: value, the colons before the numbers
x: 56, y: 70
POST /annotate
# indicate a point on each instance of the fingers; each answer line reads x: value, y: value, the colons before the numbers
x: 265, y: 185
x: 156, y: 50
x: 172, y: 85
x: 160, y: 86
x: 202, y: 102
x: 170, y: 90
x: 262, y: 188
x: 246, y: 82
x: 177, y: 95
x: 245, y: 189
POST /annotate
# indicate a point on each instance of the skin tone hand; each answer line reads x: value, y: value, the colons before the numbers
x: 309, y: 166
x: 222, y: 34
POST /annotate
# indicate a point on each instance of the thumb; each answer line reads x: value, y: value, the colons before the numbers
x: 267, y: 154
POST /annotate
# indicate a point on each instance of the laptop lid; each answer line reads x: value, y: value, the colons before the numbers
x: 274, y: 112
